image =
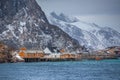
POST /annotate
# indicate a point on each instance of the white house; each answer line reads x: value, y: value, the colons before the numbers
x: 51, y: 54
x: 47, y: 51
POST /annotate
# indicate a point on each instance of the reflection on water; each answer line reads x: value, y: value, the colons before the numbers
x: 80, y: 70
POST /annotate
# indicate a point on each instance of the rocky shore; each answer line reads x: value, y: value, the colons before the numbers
x: 8, y: 55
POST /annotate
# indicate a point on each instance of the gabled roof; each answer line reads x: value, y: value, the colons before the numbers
x: 33, y: 51
x: 46, y: 50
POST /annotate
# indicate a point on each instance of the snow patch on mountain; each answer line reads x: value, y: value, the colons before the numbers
x: 88, y: 34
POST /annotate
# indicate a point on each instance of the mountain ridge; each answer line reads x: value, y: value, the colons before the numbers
x: 23, y: 23
x: 89, y: 34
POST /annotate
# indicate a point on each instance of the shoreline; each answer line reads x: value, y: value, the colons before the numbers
x: 58, y: 60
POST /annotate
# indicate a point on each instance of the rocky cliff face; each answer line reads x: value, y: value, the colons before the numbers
x: 23, y: 23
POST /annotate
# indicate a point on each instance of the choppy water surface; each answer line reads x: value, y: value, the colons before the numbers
x: 80, y: 70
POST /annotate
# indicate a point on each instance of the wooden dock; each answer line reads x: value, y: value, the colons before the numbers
x: 49, y: 59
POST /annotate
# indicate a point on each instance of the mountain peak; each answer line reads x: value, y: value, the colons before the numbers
x: 10, y: 8
x: 89, y: 34
x: 64, y: 17
x: 23, y: 23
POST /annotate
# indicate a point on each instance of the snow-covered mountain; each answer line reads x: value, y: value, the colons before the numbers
x: 90, y: 35
x: 23, y: 23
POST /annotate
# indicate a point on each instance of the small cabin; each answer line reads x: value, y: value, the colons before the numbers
x: 78, y: 55
x: 51, y: 52
x: 52, y: 56
x: 67, y: 55
x: 24, y: 53
x: 47, y: 51
x: 117, y: 51
x: 34, y: 54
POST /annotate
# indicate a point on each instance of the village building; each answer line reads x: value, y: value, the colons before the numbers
x: 67, y: 56
x: 48, y: 54
x: 51, y: 52
x: 117, y: 51
x: 24, y: 53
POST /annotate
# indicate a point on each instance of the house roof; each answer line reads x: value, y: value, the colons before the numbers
x: 46, y: 50
x: 33, y: 51
x: 51, y: 50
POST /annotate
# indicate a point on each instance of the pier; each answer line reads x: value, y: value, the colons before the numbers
x: 48, y: 59
x: 49, y: 56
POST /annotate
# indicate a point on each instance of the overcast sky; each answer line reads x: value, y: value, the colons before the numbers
x: 102, y: 12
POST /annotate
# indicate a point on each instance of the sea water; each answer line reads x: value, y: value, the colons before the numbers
x: 71, y: 70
